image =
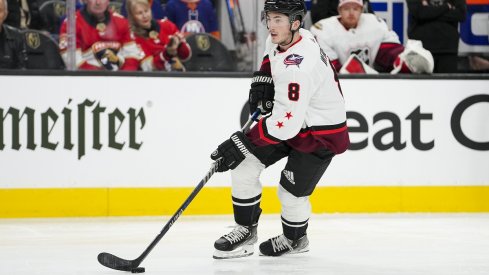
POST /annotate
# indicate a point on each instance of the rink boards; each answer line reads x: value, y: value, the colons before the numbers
x: 99, y: 145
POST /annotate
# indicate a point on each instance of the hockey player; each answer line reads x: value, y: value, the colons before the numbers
x: 360, y: 42
x: 103, y: 39
x: 163, y: 45
x: 304, y: 120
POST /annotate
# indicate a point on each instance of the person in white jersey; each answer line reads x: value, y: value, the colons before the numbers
x: 360, y: 42
x: 303, y: 120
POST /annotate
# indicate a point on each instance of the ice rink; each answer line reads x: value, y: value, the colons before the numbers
x: 394, y: 244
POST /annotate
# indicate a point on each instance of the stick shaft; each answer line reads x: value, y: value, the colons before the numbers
x: 179, y: 212
x: 194, y: 193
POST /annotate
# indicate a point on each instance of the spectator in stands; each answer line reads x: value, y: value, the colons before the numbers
x: 321, y: 9
x: 42, y: 51
x: 163, y: 45
x: 24, y: 14
x: 12, y: 47
x: 103, y: 39
x: 193, y: 16
x: 156, y: 9
x: 359, y: 42
x: 435, y: 23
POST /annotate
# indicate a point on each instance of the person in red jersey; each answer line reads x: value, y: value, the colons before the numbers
x: 163, y: 45
x: 103, y: 39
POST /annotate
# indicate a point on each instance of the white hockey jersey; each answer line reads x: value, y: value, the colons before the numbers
x: 364, y: 40
x: 309, y: 110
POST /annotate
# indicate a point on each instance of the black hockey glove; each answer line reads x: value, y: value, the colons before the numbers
x: 232, y: 152
x: 262, y: 90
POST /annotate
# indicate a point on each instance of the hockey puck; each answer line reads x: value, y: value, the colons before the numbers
x: 138, y: 270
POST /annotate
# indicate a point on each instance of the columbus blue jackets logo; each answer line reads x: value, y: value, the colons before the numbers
x: 293, y: 59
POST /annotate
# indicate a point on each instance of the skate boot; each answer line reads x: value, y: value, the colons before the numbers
x: 280, y: 245
x: 238, y: 243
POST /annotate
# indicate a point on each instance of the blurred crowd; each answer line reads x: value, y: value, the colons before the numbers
x: 169, y: 35
x: 128, y: 35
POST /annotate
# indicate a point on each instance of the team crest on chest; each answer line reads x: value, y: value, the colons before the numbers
x: 155, y: 36
x: 33, y: 40
x: 101, y: 28
x: 293, y: 59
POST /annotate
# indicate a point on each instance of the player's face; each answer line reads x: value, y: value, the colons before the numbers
x: 142, y: 15
x: 3, y: 11
x: 279, y: 27
x: 350, y: 14
x: 97, y: 7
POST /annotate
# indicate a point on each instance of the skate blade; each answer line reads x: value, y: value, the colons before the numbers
x: 244, y: 251
x: 302, y: 250
x: 298, y: 251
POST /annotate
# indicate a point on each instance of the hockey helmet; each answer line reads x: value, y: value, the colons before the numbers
x: 295, y: 9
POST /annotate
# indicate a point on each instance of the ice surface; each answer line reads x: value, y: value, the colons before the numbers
x: 410, y: 244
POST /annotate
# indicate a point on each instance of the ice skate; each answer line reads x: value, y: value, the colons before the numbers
x: 280, y: 245
x: 238, y: 243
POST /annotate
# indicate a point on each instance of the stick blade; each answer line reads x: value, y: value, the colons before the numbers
x: 114, y: 262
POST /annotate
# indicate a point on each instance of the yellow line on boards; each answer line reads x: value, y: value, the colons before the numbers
x: 93, y: 202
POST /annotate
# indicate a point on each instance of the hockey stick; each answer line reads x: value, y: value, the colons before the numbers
x: 114, y: 262
x: 232, y: 22
x: 241, y: 21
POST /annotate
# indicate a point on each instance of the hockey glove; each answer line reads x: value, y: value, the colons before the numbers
x: 232, y: 152
x: 414, y: 59
x: 262, y: 90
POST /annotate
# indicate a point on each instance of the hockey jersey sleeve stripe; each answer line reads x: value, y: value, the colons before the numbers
x: 388, y: 45
x: 130, y: 50
x: 265, y: 60
x: 329, y: 132
x: 338, y: 126
x: 336, y: 64
x: 262, y: 129
x: 324, y: 130
x: 265, y: 66
x: 89, y: 58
